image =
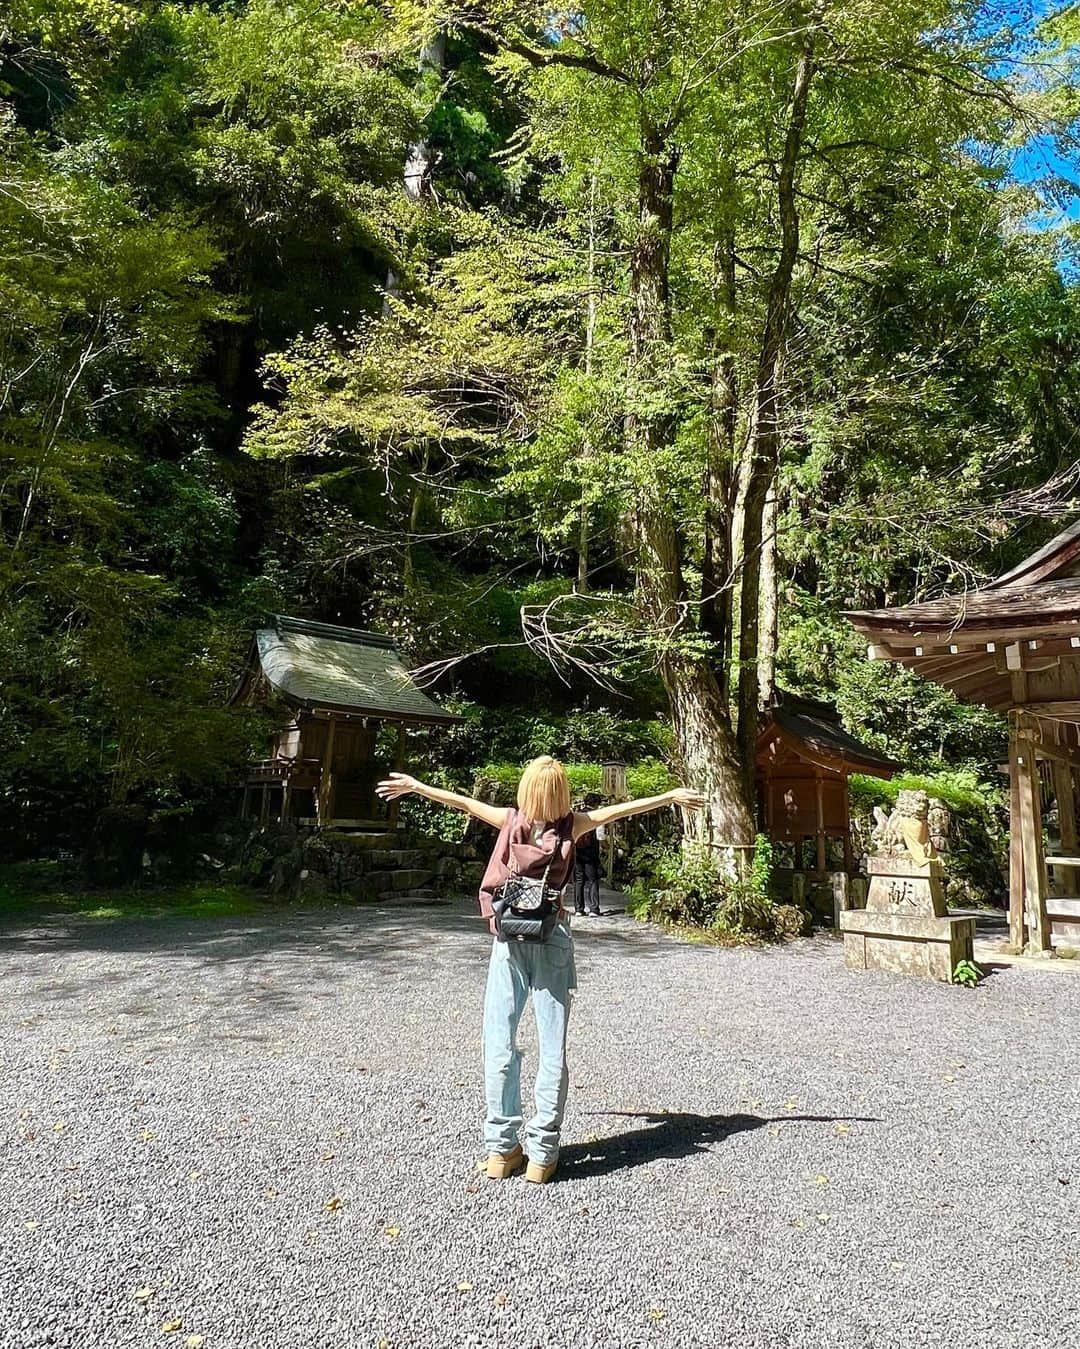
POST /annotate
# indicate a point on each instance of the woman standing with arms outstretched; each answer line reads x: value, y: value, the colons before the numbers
x: 538, y: 833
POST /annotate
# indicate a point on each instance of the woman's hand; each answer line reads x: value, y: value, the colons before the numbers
x: 687, y: 798
x: 397, y: 784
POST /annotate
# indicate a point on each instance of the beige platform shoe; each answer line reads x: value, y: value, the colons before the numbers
x: 503, y: 1164
x: 539, y: 1174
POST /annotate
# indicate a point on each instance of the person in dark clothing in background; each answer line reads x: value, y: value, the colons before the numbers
x: 587, y: 868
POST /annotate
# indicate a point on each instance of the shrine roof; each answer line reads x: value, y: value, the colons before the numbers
x: 322, y: 665
x: 812, y: 729
x: 1039, y: 597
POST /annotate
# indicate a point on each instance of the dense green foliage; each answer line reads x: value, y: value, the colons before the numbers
x: 242, y: 370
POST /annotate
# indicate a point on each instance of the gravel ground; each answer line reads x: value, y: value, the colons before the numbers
x: 267, y: 1132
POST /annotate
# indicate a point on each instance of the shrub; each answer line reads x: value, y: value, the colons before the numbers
x: 692, y: 887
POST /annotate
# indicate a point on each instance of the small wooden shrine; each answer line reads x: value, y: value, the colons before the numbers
x: 804, y: 760
x: 343, y: 686
x: 1014, y: 645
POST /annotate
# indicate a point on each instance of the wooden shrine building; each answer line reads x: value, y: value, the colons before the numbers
x: 1014, y: 645
x: 804, y: 760
x: 343, y: 686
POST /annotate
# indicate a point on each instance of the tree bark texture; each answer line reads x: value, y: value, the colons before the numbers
x: 764, y: 445
x: 700, y: 715
x: 769, y: 602
x: 717, y: 564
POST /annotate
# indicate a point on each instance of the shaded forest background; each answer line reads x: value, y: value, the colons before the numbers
x: 330, y: 310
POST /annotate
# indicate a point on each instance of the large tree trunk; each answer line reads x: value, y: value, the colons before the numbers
x: 418, y: 159
x: 764, y: 450
x: 584, y: 522
x: 769, y: 606
x: 702, y: 724
x: 717, y: 564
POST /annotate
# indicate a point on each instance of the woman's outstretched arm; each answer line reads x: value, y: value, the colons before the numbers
x: 401, y: 784
x: 584, y: 821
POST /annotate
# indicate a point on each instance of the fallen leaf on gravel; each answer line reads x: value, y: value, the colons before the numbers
x: 142, y: 1294
x: 947, y: 1077
x: 797, y: 1222
x: 896, y: 1265
x: 392, y: 1231
x: 843, y: 1128
x: 821, y: 1180
x: 59, y: 1128
x: 32, y: 1226
x: 774, y: 1133
x: 147, y: 1135
x: 328, y: 1156
x: 657, y: 1313
x: 193, y: 1342
x: 593, y: 1138
x: 464, y: 1286
x: 500, y: 1299
x: 384, y: 1343
x: 333, y: 1203
x: 270, y: 1193
x: 824, y: 1217
x: 791, y: 1105
x: 194, y: 1175
x: 170, y: 1326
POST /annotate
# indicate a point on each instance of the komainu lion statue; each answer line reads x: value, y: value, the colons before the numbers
x: 906, y: 832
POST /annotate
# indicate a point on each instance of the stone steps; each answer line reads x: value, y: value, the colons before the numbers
x: 401, y: 878
x: 420, y: 896
x: 386, y: 859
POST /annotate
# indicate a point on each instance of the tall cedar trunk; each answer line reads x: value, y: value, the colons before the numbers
x: 764, y: 449
x: 717, y: 558
x: 584, y: 523
x: 768, y: 607
x: 417, y: 184
x: 418, y: 160
x: 702, y: 725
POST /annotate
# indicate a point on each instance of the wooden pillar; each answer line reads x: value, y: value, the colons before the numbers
x: 819, y: 794
x: 1017, y: 923
x: 1035, y: 883
x: 326, y: 777
x: 849, y: 859
x: 264, y: 804
x: 286, y: 797
x: 1065, y: 792
x: 394, y: 808
x: 245, y: 802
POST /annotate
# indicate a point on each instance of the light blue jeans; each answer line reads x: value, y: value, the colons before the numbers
x: 546, y: 970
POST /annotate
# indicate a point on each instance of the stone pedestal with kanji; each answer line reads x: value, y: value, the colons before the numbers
x: 905, y: 926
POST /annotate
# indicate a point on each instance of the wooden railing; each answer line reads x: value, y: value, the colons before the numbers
x: 277, y: 770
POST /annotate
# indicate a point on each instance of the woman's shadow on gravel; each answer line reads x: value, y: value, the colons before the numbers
x: 669, y: 1134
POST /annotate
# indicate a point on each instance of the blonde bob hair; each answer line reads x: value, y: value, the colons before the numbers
x: 543, y: 793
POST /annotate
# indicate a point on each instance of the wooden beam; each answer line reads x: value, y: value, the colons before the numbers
x: 1016, y: 847
x: 1063, y: 709
x: 1065, y: 791
x: 1035, y: 879
x: 399, y: 767
x: 326, y: 777
x: 819, y: 792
